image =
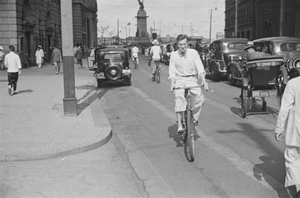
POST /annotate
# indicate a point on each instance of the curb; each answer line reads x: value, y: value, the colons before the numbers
x: 98, y: 142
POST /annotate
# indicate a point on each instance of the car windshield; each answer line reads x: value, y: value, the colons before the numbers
x: 112, y: 56
x: 290, y: 47
x: 236, y: 46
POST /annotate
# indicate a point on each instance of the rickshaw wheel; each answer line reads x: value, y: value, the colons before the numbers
x: 244, y: 102
x: 279, y: 93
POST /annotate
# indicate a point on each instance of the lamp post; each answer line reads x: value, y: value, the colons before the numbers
x: 210, y: 23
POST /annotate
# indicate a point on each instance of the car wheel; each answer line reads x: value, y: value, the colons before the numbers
x: 230, y: 78
x: 113, y: 72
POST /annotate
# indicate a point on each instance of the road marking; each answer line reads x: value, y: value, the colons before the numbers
x: 241, y: 164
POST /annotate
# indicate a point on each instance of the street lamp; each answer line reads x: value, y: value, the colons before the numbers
x: 210, y: 25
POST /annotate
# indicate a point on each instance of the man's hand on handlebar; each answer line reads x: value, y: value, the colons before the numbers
x: 205, y: 85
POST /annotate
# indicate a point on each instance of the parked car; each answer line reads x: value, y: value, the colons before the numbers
x: 112, y: 64
x: 223, y: 52
x: 287, y: 47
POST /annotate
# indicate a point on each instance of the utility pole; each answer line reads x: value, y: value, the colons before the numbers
x: 126, y: 34
x: 69, y: 100
x: 282, y: 7
x: 181, y: 28
x: 210, y: 25
x: 160, y: 28
x: 118, y: 31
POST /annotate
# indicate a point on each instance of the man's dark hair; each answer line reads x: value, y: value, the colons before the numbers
x: 180, y: 37
x: 12, y: 48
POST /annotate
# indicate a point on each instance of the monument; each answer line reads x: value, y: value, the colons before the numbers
x: 141, y: 37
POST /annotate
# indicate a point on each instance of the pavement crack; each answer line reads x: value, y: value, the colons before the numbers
x: 124, y: 156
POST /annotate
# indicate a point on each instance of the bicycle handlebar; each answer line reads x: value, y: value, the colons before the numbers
x: 198, y: 86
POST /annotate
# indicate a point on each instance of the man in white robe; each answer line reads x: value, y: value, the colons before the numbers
x: 290, y: 112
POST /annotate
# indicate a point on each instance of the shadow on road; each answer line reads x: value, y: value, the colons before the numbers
x: 85, y: 101
x: 173, y: 134
x: 24, y: 91
x: 272, y: 169
x: 255, y: 109
x: 270, y: 163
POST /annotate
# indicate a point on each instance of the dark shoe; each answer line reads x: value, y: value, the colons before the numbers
x: 180, y: 130
x: 264, y: 106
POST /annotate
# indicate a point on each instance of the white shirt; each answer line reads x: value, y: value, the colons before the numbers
x: 12, y: 62
x: 290, y: 112
x: 155, y: 51
x: 134, y: 51
x: 190, y: 64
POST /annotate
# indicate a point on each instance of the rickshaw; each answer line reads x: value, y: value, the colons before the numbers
x: 260, y: 78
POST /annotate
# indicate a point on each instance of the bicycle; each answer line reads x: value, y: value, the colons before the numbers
x: 157, y: 74
x: 135, y: 62
x: 188, y: 136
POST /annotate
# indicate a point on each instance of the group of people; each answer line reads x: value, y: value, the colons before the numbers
x: 13, y: 64
x: 56, y: 57
x: 154, y: 54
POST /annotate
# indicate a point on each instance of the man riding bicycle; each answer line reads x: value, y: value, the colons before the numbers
x: 135, y: 55
x: 155, y: 53
x: 185, y: 70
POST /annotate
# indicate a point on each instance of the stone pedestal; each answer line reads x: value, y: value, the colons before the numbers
x: 142, y: 37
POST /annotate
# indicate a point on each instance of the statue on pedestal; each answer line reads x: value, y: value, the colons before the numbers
x: 141, y: 4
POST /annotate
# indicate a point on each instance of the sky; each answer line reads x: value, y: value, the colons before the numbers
x: 170, y: 17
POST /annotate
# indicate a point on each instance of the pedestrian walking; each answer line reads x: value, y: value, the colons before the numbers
x: 78, y: 56
x: 1, y: 58
x: 39, y: 56
x: 13, y: 63
x: 186, y: 69
x: 288, y: 121
x: 56, y: 58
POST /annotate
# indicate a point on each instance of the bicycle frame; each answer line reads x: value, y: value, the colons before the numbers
x: 157, y: 73
x: 188, y: 121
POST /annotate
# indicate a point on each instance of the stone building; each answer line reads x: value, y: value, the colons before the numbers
x: 29, y: 23
x: 261, y: 18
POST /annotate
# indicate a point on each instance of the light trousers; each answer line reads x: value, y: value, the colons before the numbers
x: 197, y: 96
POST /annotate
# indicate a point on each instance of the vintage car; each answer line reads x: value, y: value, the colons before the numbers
x: 287, y: 47
x: 112, y: 64
x: 223, y: 52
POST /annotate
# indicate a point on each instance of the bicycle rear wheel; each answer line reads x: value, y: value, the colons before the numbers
x: 190, y: 135
x: 157, y: 75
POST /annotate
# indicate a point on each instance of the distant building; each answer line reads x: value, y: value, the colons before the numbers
x: 261, y: 18
x: 29, y: 23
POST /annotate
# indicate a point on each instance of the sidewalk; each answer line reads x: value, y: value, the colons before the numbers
x: 33, y: 126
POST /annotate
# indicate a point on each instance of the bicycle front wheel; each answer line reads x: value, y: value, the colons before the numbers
x: 190, y: 135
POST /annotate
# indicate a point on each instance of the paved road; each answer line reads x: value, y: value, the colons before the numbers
x: 235, y: 157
